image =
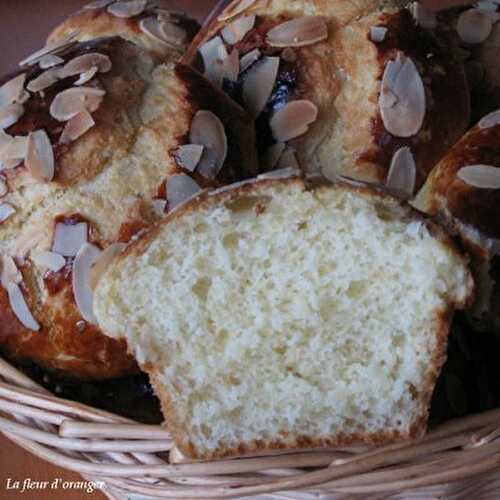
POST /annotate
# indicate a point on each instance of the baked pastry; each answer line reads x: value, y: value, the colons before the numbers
x: 92, y: 133
x: 296, y: 315
x: 152, y: 25
x: 325, y: 64
x: 463, y: 191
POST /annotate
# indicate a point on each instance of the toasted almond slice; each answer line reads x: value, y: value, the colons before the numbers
x: 127, y: 9
x: 179, y: 189
x: 12, y: 91
x: 234, y: 9
x: 98, y: 4
x: 70, y: 102
x: 474, y: 26
x: 249, y: 59
x: 20, y: 308
x: 151, y: 27
x: 82, y: 265
x: 213, y: 54
x: 49, y: 61
x: 15, y: 149
x: 87, y: 76
x: 259, y: 83
x: 159, y: 207
x: 231, y: 66
x: 491, y: 120
x: 44, y: 80
x: 40, y: 156
x: 49, y: 260
x: 10, y: 272
x: 102, y: 263
x: 288, y: 160
x: 6, y: 211
x: 402, y: 97
x: 10, y: 164
x: 237, y: 30
x: 480, y: 176
x: 403, y: 172
x: 10, y: 114
x: 86, y: 62
x: 207, y: 130
x: 4, y: 189
x: 378, y: 34
x: 293, y: 120
x: 188, y: 156
x: 423, y: 17
x: 298, y: 32
x: 172, y: 33
x: 77, y: 126
x: 272, y: 155
x: 52, y: 48
x: 68, y: 239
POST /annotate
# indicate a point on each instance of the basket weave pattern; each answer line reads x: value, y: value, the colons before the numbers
x: 461, y: 459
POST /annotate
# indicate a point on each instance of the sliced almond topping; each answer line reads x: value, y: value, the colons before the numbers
x: 4, y: 189
x: 423, y: 17
x: 68, y: 239
x: 40, y: 156
x: 82, y: 265
x: 402, y: 97
x: 77, y: 126
x: 13, y: 90
x: 44, y: 80
x: 249, y: 59
x: 188, y: 156
x: 259, y: 83
x: 49, y: 61
x: 231, y: 66
x: 298, y: 32
x: 15, y: 149
x: 9, y: 164
x: 288, y: 160
x: 52, y: 48
x: 6, y: 211
x: 207, y: 130
x: 49, y: 260
x: 378, y: 34
x: 20, y: 308
x: 10, y: 114
x: 236, y: 31
x: 480, y: 176
x: 102, y: 263
x: 159, y: 207
x: 491, y: 120
x: 293, y: 120
x: 151, y: 26
x: 98, y: 4
x: 87, y: 76
x: 127, y: 9
x: 474, y: 26
x: 70, y: 102
x: 180, y: 188
x: 213, y: 54
x: 172, y: 33
x: 235, y: 8
x: 10, y: 272
x: 272, y: 155
x: 86, y: 62
x: 403, y: 172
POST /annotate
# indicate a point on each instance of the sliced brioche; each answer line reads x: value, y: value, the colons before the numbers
x: 283, y: 315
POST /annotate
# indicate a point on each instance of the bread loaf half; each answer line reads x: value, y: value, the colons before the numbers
x: 279, y: 314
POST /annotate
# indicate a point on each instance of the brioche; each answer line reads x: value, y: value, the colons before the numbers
x: 361, y: 79
x: 88, y: 159
x: 278, y: 314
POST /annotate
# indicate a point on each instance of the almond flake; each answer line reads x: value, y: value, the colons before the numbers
x: 20, y: 308
x: 15, y: 148
x: 86, y: 62
x: 4, y: 189
x: 44, y: 80
x: 480, y: 176
x: 403, y: 172
x: 159, y: 207
x: 87, y: 76
x: 234, y: 9
x: 49, y: 260
x: 10, y: 164
x: 102, y: 263
x: 77, y: 126
x: 491, y: 120
x: 259, y: 84
x: 49, y: 61
x: 288, y: 160
x: 474, y: 26
x: 151, y: 26
x: 298, y: 32
x: 6, y: 211
x: 249, y: 59
x: 402, y: 97
x: 98, y: 4
x: 127, y: 9
x: 208, y: 131
x: 179, y: 189
x: 213, y: 54
x: 236, y: 31
x: 272, y: 155
x: 423, y: 17
x: 70, y: 102
x: 188, y: 156
x: 10, y: 114
x: 10, y: 272
x: 231, y: 66
x: 293, y: 120
x: 378, y: 34
x: 68, y: 239
x: 52, y: 48
x: 40, y: 156
x: 12, y: 91
x: 172, y: 33
x: 82, y: 265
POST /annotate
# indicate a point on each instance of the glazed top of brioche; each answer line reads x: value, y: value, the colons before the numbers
x: 335, y: 59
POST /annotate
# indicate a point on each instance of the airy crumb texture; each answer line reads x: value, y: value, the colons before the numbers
x: 276, y: 316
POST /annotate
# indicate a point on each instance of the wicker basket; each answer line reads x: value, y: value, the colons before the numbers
x: 461, y: 459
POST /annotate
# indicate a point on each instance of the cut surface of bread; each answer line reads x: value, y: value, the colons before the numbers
x: 283, y: 315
